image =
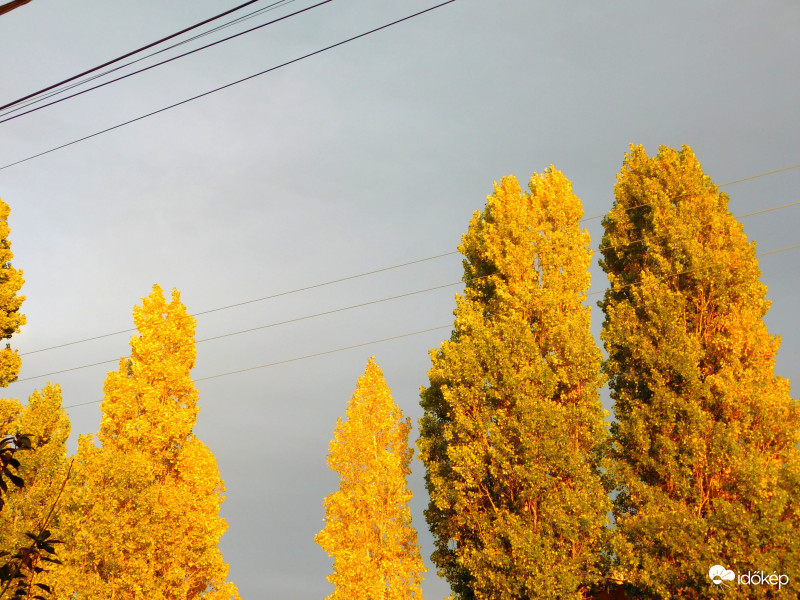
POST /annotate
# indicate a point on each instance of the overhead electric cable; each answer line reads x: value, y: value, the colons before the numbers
x: 163, y: 62
x: 270, y: 297
x: 116, y: 360
x: 124, y: 56
x: 289, y: 360
x: 238, y: 81
x: 60, y: 90
x: 283, y: 362
x: 396, y: 337
x: 9, y: 6
x: 719, y: 186
x: 702, y: 267
x: 761, y: 175
x: 667, y: 235
x: 333, y: 281
x: 260, y: 327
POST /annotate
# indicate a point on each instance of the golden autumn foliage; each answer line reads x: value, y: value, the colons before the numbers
x: 705, y: 453
x: 10, y: 318
x: 513, y: 427
x: 368, y: 527
x: 143, y: 514
x: 42, y: 469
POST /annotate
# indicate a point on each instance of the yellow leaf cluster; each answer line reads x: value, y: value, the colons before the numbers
x: 10, y: 318
x: 368, y: 527
x: 513, y: 427
x: 706, y: 435
x: 144, y: 510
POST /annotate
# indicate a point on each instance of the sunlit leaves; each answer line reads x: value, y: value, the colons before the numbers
x: 513, y: 428
x: 144, y: 513
x: 10, y: 318
x: 704, y: 447
x: 368, y: 527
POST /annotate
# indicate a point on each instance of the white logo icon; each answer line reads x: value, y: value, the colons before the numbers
x: 719, y: 575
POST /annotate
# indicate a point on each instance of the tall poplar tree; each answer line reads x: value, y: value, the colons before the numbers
x: 368, y: 527
x: 145, y: 507
x: 705, y: 442
x: 513, y: 429
x: 10, y: 318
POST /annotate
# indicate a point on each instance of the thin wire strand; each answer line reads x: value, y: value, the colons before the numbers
x: 267, y: 326
x: 163, y: 62
x: 124, y: 56
x: 761, y: 175
x: 238, y: 81
x: 270, y: 297
x: 289, y: 360
x: 756, y: 176
x: 396, y: 337
x: 326, y: 283
x: 55, y: 92
x: 351, y: 307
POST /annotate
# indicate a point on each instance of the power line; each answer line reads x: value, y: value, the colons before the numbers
x: 163, y: 62
x: 396, y: 337
x: 351, y: 307
x: 283, y: 362
x: 289, y: 360
x: 699, y: 269
x: 667, y: 235
x: 270, y: 297
x: 55, y: 92
x: 761, y: 175
x: 326, y: 283
x: 124, y: 56
x: 238, y: 81
x: 260, y: 327
x: 719, y: 186
x: 9, y: 6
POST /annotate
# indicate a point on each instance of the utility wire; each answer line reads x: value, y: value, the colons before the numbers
x: 330, y: 282
x: 124, y: 56
x: 396, y: 337
x: 160, y: 110
x: 667, y: 235
x: 163, y: 62
x: 289, y: 360
x: 270, y: 297
x: 719, y: 186
x: 283, y: 362
x: 269, y: 325
x: 8, y: 7
x: 761, y: 175
x: 55, y: 92
x: 697, y: 269
x: 116, y: 360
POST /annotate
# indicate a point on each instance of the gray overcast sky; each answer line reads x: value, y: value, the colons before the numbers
x: 369, y: 155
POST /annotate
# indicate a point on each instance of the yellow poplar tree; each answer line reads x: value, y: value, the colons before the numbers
x: 513, y: 429
x: 705, y: 453
x: 368, y: 527
x: 10, y: 318
x: 145, y: 508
